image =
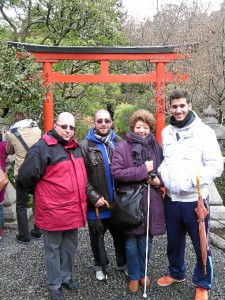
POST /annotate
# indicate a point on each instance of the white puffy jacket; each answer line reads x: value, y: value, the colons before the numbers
x: 197, y: 152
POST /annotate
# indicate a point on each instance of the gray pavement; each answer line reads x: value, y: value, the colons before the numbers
x: 22, y: 275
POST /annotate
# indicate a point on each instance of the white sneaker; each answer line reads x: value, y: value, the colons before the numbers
x: 99, y: 275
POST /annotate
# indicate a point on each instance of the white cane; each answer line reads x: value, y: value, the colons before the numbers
x: 147, y: 236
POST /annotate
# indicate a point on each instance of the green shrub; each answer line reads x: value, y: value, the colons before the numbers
x: 122, y: 116
x: 82, y: 128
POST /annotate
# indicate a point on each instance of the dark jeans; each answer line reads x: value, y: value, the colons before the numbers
x: 118, y: 241
x: 21, y: 212
x: 136, y: 255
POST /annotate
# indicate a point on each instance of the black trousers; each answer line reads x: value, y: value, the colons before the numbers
x: 118, y: 241
x: 21, y: 212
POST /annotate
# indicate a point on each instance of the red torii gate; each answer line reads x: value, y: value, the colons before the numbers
x: 160, y: 56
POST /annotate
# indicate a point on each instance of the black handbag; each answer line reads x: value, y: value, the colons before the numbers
x: 127, y: 210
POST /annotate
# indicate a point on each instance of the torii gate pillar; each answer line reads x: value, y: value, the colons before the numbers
x: 48, y: 101
x: 160, y: 56
x: 160, y: 99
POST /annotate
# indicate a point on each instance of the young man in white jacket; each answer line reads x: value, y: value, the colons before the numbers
x: 190, y: 149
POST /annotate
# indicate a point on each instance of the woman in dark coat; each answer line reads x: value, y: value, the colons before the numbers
x: 135, y: 161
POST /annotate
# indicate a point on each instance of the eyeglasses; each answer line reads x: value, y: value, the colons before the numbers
x: 100, y: 121
x: 64, y: 126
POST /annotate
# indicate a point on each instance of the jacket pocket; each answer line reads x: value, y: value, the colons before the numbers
x: 95, y: 158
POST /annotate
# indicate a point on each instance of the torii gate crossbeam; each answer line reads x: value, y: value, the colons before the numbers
x: 160, y: 56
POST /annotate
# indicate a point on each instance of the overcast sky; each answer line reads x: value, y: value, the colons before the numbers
x: 143, y: 8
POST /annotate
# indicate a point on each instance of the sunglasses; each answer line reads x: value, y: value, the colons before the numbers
x: 64, y: 126
x: 100, y: 121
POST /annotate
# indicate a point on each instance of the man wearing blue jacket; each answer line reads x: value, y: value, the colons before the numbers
x: 97, y: 149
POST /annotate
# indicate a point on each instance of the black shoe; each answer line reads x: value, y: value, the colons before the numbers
x: 36, y: 235
x: 23, y: 240
x: 56, y: 294
x: 123, y: 269
x: 70, y: 285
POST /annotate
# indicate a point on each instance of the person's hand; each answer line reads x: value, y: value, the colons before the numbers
x: 100, y: 202
x: 149, y: 165
x: 155, y: 181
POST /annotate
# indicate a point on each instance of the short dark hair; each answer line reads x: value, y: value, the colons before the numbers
x: 18, y: 116
x: 177, y: 94
x: 101, y: 111
x: 144, y: 116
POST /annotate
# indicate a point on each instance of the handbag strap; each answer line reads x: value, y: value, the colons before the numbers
x: 18, y: 135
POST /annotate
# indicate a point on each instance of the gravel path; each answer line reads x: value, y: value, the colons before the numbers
x: 22, y: 275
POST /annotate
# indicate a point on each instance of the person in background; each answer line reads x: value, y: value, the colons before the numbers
x: 135, y: 161
x: 3, y: 156
x: 97, y: 149
x: 27, y: 130
x: 54, y: 171
x: 190, y: 148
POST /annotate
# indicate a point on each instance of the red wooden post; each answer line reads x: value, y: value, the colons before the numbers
x: 160, y: 99
x: 48, y: 101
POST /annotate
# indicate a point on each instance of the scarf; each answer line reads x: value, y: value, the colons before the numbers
x: 187, y: 120
x: 107, y: 141
x: 144, y: 148
x: 105, y: 144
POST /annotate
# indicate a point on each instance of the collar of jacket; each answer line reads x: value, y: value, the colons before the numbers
x: 52, y: 140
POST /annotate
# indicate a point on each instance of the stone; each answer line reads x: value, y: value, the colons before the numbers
x: 214, y: 196
x: 10, y: 195
x: 217, y: 240
x: 12, y: 223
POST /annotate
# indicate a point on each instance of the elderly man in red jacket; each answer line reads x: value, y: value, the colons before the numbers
x: 54, y: 171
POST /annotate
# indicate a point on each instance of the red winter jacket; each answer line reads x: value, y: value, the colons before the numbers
x: 57, y: 176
